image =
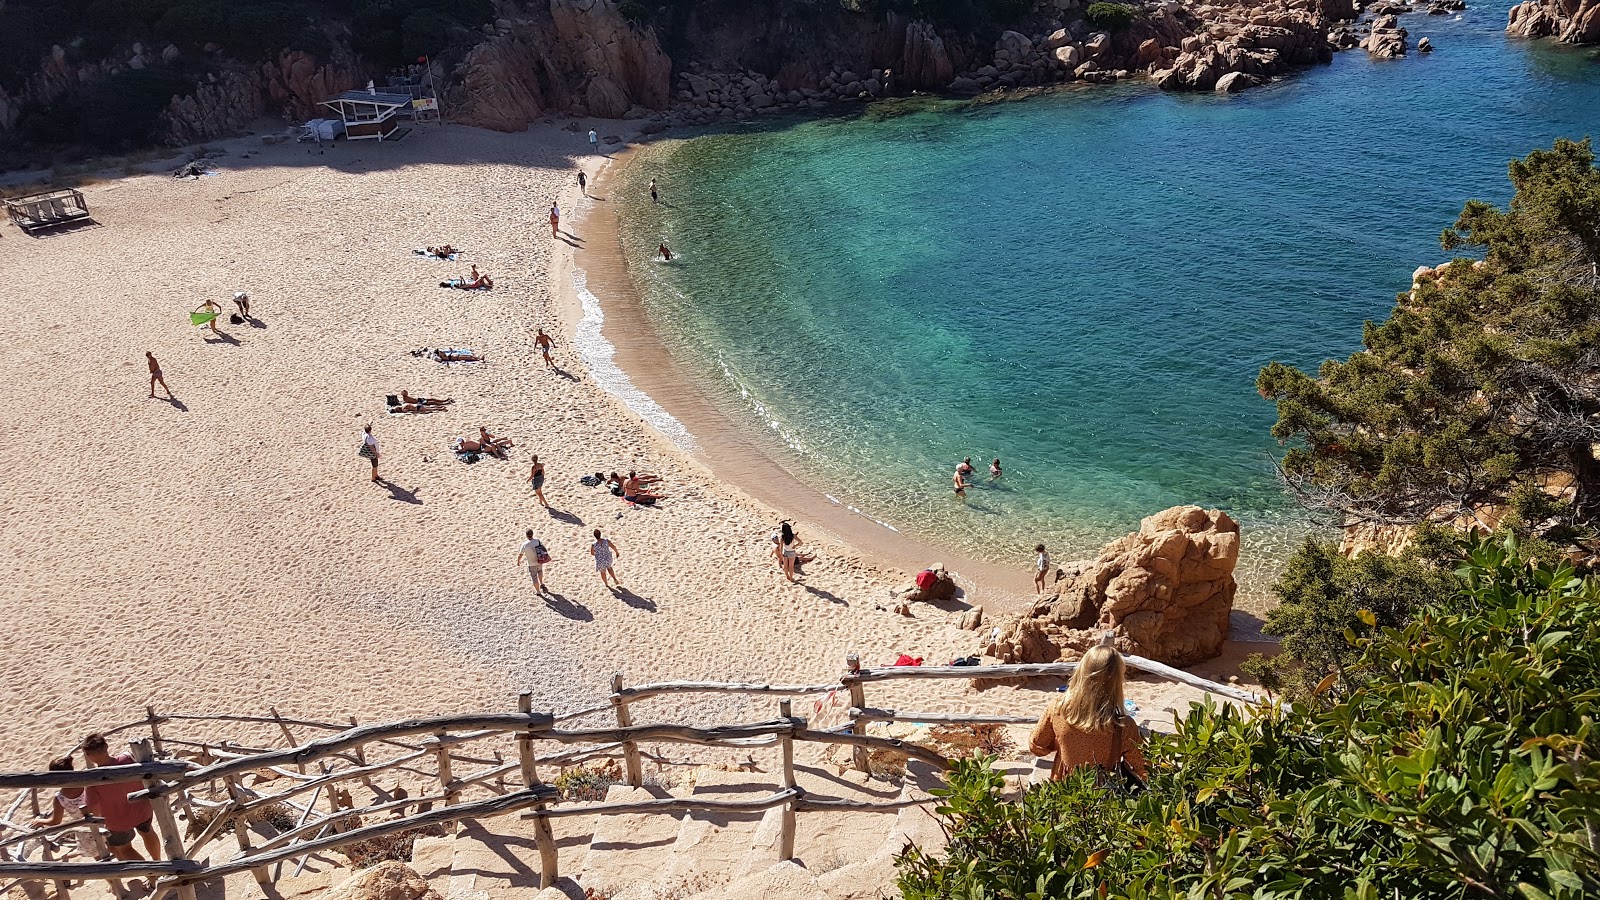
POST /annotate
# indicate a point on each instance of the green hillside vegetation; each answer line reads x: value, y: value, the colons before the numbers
x: 1452, y: 757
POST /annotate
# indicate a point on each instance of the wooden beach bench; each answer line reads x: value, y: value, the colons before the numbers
x: 51, y: 209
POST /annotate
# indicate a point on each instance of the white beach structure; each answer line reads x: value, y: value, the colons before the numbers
x: 369, y: 113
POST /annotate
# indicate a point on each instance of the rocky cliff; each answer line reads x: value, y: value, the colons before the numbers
x: 1166, y: 591
x: 1572, y: 21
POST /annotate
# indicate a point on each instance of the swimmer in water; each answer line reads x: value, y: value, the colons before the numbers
x: 666, y: 254
x: 966, y: 467
x: 994, y: 469
x: 960, y: 483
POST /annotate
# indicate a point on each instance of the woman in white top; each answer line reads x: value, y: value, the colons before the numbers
x: 1040, y: 567
x: 369, y: 449
x: 71, y: 804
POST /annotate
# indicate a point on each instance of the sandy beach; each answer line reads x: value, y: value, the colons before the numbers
x: 227, y: 552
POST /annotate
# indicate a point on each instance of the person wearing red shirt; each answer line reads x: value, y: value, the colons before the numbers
x: 110, y: 802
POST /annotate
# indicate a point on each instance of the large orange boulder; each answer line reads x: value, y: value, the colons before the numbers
x: 1165, y: 591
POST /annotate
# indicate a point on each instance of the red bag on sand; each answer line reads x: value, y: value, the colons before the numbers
x: 926, y: 580
x: 908, y: 660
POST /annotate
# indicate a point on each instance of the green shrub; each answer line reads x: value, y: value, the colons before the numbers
x: 1463, y: 765
x: 1322, y: 597
x: 1109, y: 16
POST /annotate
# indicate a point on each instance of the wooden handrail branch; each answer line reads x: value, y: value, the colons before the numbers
x: 1030, y: 670
x: 869, y: 742
x: 478, y: 809
x: 641, y: 691
x: 100, y: 869
x: 668, y: 804
x: 354, y: 737
x: 872, y: 714
x: 97, y: 775
x: 51, y: 830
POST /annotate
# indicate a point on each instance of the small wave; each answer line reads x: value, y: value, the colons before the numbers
x: 600, y: 355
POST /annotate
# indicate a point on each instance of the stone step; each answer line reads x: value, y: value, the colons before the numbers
x: 710, y: 846
x: 629, y: 851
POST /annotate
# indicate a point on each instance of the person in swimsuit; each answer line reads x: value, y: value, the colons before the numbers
x: 960, y: 483
x: 422, y: 402
x: 555, y: 219
x: 605, y: 556
x: 966, y: 468
x: 536, y: 478
x: 476, y: 282
x: 1041, y: 566
x: 666, y: 254
x: 544, y: 343
x: 211, y: 306
x: 448, y: 356
x: 583, y: 183
x: 444, y: 252
x: 156, y: 376
x: 242, y: 300
x: 788, y: 544
x: 492, y: 443
x: 633, y: 491
x: 994, y: 469
x: 654, y: 197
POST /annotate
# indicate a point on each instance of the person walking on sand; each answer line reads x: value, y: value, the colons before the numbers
x: 555, y: 219
x: 605, y: 556
x: 960, y: 483
x: 534, y: 556
x: 120, y: 816
x: 583, y: 183
x: 155, y: 375
x: 369, y: 450
x: 544, y: 343
x: 666, y: 254
x: 654, y: 197
x: 1041, y: 568
x: 536, y: 478
x: 994, y: 469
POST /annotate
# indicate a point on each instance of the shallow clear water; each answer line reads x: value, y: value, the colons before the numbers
x: 1084, y: 284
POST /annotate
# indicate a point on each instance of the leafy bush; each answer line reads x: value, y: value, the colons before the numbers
x: 1461, y: 765
x: 1109, y: 16
x: 1322, y: 596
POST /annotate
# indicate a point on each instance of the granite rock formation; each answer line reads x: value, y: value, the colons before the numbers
x: 1571, y: 21
x: 1165, y: 591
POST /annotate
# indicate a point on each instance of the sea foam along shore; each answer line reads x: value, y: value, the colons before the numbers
x: 226, y: 552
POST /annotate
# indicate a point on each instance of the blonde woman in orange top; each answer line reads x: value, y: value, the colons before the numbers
x: 1081, y: 726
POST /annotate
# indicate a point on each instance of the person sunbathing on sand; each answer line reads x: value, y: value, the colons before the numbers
x: 635, y: 492
x: 444, y: 252
x: 446, y: 355
x: 499, y: 443
x: 478, y: 281
x: 468, y: 445
x: 423, y: 402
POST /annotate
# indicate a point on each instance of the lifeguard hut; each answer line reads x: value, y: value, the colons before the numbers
x: 369, y: 114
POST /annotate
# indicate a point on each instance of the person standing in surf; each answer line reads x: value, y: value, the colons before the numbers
x: 654, y: 197
x: 960, y: 482
x: 1041, y: 566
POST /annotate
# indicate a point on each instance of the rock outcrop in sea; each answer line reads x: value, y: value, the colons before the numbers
x: 1166, y: 591
x: 1570, y: 21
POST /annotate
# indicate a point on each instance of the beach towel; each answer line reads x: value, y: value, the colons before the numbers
x: 907, y: 660
x: 201, y: 318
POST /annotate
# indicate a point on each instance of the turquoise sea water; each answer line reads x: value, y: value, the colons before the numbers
x: 1084, y: 284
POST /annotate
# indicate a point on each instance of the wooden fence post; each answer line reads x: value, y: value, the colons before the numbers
x: 446, y: 777
x: 549, y: 859
x: 858, y: 700
x: 166, y: 822
x: 786, y: 742
x: 630, y: 750
x: 241, y: 827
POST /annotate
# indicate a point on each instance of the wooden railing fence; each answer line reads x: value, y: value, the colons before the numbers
x: 214, y: 798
